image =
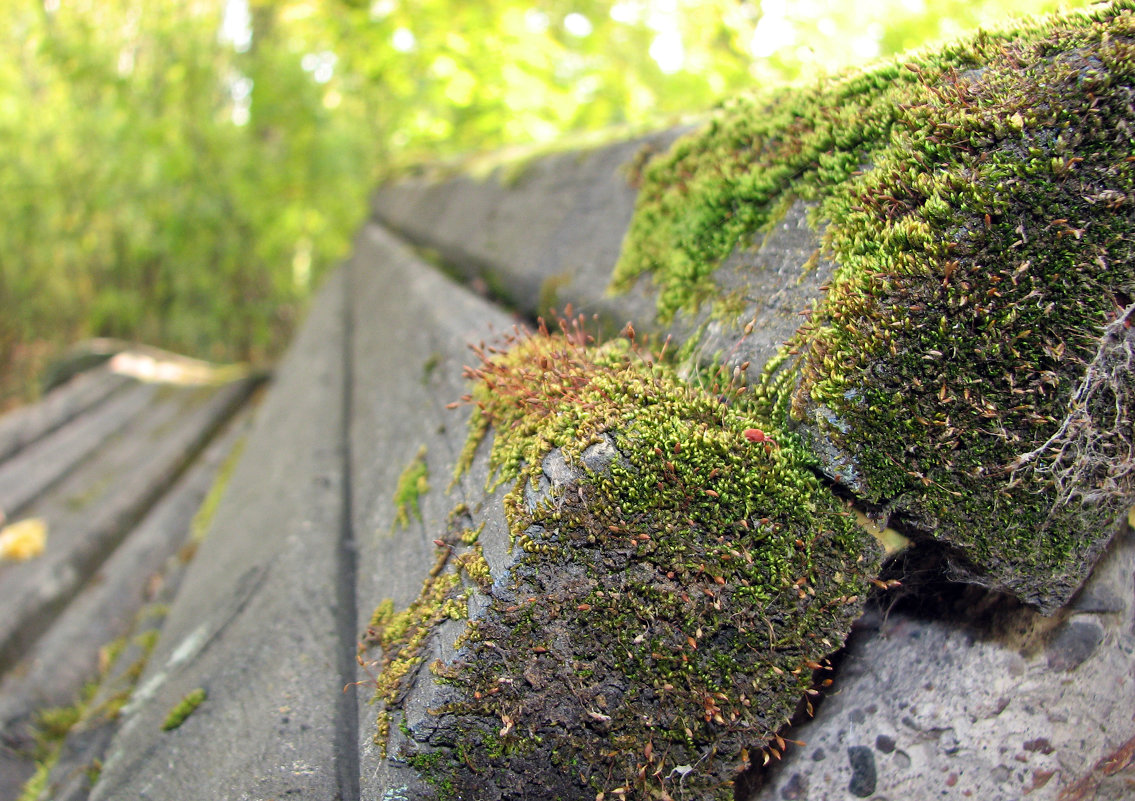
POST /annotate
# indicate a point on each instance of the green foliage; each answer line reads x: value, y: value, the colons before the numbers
x: 161, y: 184
x: 412, y: 485
x: 134, y: 206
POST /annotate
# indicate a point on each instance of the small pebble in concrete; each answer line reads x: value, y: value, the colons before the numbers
x: 796, y: 789
x: 1075, y: 642
x: 1040, y: 744
x: 885, y: 743
x: 1099, y: 600
x: 863, y: 777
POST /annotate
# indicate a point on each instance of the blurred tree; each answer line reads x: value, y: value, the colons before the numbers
x: 182, y: 172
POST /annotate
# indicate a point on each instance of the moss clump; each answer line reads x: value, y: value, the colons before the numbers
x: 680, y: 576
x: 403, y: 636
x: 412, y: 484
x: 183, y: 709
x: 965, y: 369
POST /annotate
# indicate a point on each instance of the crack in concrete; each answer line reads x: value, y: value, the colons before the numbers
x: 347, y: 726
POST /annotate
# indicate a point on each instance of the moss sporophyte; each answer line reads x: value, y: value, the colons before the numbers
x: 970, y: 366
x: 679, y: 576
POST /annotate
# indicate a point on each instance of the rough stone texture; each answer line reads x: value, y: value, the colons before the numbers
x: 256, y: 622
x: 992, y: 701
x: 775, y: 282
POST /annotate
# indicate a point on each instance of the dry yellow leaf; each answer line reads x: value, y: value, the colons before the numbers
x: 23, y: 540
x: 891, y: 540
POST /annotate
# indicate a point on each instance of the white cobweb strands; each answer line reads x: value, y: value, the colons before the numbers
x: 1091, y: 456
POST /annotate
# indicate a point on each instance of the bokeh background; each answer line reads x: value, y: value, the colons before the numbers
x: 182, y: 173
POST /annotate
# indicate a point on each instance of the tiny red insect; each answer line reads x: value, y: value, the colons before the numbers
x: 756, y: 435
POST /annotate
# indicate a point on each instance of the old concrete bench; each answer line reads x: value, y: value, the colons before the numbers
x: 345, y: 494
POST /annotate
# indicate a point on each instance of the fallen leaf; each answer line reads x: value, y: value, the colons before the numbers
x: 23, y: 540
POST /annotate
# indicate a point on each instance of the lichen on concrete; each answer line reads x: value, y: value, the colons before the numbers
x: 679, y: 576
x: 969, y: 367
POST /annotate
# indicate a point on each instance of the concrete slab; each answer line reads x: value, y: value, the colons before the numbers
x: 550, y: 235
x: 38, y: 467
x: 975, y: 699
x: 27, y: 424
x: 410, y: 345
x: 145, y: 564
x: 89, y: 514
x: 256, y: 624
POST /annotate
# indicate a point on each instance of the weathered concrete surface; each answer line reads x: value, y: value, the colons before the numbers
x: 549, y: 236
x: 1050, y: 676
x: 553, y: 236
x: 90, y: 512
x: 256, y: 623
x: 143, y: 569
x: 409, y: 350
x: 39, y: 466
x: 27, y: 424
x: 989, y: 701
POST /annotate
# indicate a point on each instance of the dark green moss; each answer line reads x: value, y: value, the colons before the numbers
x: 977, y: 203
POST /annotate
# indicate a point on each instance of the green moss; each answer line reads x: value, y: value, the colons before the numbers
x: 977, y: 203
x: 53, y: 724
x: 203, y: 518
x: 183, y: 709
x: 429, y: 367
x: 550, y: 288
x: 412, y: 484
x: 685, y: 582
x: 35, y: 787
x: 402, y: 636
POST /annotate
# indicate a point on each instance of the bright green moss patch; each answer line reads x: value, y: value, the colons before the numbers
x: 678, y: 577
x: 183, y: 709
x: 970, y: 366
x: 719, y: 187
x: 412, y: 484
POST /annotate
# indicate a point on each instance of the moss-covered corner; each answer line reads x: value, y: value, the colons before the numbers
x: 970, y: 365
x: 680, y: 576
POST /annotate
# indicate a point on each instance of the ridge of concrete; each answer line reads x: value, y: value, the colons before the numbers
x: 254, y: 625
x: 27, y: 424
x: 550, y: 235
